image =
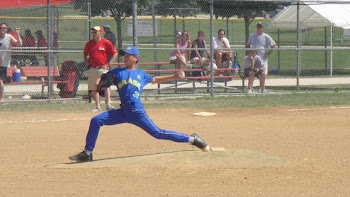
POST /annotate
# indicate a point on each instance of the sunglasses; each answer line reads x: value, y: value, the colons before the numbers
x: 94, y: 32
x: 3, y: 28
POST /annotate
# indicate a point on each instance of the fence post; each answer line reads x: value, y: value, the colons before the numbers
x: 278, y: 52
x: 298, y: 45
x: 211, y: 48
x: 325, y: 51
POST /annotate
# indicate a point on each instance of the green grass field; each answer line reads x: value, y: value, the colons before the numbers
x: 224, y: 102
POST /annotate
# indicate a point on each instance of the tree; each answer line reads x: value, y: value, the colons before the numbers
x: 177, y: 8
x: 181, y: 8
x: 120, y: 9
x: 247, y: 10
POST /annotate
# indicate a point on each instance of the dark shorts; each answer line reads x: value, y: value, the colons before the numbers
x: 247, y: 71
x: 3, y: 72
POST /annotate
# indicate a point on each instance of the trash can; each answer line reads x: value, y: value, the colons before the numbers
x: 16, y: 75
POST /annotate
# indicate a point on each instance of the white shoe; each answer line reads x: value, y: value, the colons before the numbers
x: 250, y: 91
x: 97, y: 109
x: 264, y: 91
x: 189, y: 66
x: 109, y: 107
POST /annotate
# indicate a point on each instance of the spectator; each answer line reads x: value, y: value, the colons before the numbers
x: 254, y: 68
x: 15, y: 59
x: 6, y: 40
x: 262, y: 41
x: 220, y: 45
x: 9, y: 31
x: 42, y: 44
x: 109, y: 35
x: 178, y: 57
x: 29, y: 41
x: 96, y: 54
x: 197, y: 55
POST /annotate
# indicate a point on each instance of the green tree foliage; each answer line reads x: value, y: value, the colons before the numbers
x: 247, y: 10
x: 120, y: 9
x: 179, y: 8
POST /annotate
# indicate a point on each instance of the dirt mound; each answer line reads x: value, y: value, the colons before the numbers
x: 230, y: 159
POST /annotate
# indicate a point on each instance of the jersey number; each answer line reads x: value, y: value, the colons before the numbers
x: 136, y: 94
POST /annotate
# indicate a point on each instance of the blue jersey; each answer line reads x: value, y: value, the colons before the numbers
x: 130, y: 84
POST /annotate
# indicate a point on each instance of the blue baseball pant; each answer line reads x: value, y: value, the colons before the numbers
x: 136, y: 116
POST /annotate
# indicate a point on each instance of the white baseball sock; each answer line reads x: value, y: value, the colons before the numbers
x: 191, y: 140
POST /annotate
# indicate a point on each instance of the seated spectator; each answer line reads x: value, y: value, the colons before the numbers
x: 42, y: 44
x: 197, y: 55
x: 178, y: 57
x: 253, y: 68
x: 29, y: 41
x: 222, y: 55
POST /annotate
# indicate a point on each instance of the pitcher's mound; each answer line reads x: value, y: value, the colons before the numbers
x: 230, y: 158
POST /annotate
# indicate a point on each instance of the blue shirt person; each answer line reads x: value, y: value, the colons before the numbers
x: 130, y: 83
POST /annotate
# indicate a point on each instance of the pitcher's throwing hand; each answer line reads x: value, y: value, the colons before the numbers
x: 180, y: 75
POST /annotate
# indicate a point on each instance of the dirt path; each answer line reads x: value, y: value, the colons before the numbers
x: 298, y: 151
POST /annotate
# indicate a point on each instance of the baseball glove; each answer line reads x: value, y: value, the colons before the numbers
x: 105, y: 82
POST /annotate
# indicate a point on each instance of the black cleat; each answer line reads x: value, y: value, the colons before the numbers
x: 200, y: 143
x: 81, y: 157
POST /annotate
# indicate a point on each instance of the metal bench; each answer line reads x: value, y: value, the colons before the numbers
x: 224, y: 79
x: 38, y: 72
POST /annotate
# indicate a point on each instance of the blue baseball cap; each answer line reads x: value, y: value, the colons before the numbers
x: 130, y: 50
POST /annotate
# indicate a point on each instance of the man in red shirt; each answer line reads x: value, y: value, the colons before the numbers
x: 96, y: 54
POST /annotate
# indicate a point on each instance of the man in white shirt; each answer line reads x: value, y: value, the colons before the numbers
x: 262, y: 41
x: 221, y: 46
x: 6, y: 40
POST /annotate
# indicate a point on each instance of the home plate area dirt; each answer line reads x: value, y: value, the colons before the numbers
x: 284, y: 151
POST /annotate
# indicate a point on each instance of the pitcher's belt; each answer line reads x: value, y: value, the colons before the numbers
x: 126, y: 105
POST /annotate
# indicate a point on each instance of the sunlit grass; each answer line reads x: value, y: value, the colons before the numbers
x: 221, y: 102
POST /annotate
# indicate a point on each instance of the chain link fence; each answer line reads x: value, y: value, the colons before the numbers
x: 310, y: 53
